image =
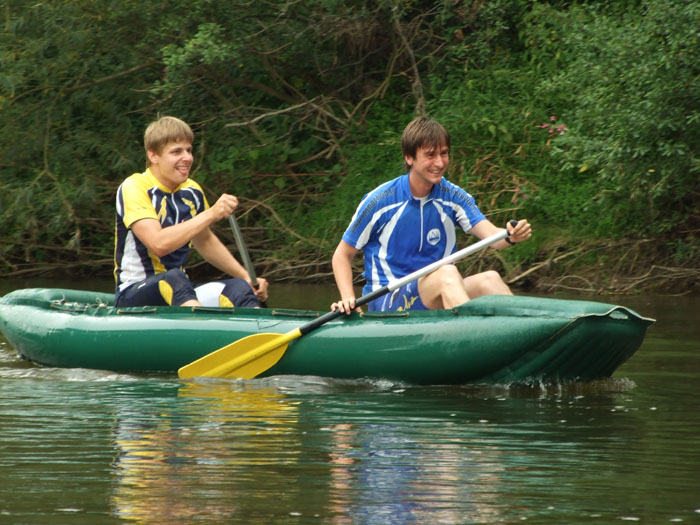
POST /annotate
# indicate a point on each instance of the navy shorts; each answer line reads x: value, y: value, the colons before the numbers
x: 231, y: 292
x: 400, y: 300
x: 172, y: 288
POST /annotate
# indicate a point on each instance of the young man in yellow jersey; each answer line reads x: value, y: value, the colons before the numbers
x: 161, y: 213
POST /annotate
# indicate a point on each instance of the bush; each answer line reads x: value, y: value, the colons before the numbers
x: 627, y: 85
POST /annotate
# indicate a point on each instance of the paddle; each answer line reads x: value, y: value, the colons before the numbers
x: 243, y: 251
x: 252, y: 355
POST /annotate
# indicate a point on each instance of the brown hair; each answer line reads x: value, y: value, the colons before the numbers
x: 423, y: 132
x: 163, y: 131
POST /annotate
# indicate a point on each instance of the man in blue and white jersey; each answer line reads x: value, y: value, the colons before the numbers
x: 409, y: 222
x: 161, y: 213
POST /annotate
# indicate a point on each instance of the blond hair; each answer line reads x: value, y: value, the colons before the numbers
x: 423, y: 132
x: 163, y: 131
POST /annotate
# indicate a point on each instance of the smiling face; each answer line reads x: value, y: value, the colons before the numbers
x: 171, y: 166
x: 427, y: 168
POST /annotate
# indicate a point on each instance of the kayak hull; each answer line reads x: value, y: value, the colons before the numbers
x: 495, y: 339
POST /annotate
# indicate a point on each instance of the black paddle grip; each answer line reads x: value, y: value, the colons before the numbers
x: 308, y: 327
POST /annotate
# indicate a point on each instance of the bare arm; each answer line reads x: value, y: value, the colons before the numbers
x: 342, y: 271
x: 162, y: 241
x: 215, y: 253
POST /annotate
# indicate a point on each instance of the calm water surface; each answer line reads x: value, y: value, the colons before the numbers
x: 85, y: 446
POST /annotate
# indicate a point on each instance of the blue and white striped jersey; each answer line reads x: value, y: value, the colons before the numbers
x: 400, y: 234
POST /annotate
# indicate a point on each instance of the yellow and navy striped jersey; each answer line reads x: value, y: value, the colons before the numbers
x: 141, y: 196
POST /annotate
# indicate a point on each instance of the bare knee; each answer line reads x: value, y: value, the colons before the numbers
x: 495, y: 284
x: 493, y: 278
x: 448, y: 275
x: 442, y: 288
x: 486, y: 283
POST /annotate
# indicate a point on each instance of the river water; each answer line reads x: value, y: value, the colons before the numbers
x: 85, y: 446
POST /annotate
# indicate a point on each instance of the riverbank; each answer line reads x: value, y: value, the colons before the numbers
x: 612, y: 267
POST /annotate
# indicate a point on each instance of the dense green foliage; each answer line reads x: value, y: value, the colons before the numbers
x: 582, y: 116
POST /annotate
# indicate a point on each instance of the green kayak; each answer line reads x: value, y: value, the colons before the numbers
x: 493, y: 339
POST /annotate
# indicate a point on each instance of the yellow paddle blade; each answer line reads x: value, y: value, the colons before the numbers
x: 245, y: 358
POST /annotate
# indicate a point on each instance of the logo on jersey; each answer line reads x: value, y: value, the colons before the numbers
x: 433, y: 236
x: 407, y: 303
x: 163, y: 210
x: 193, y: 208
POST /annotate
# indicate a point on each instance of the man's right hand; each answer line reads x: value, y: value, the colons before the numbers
x: 224, y: 206
x: 346, y: 305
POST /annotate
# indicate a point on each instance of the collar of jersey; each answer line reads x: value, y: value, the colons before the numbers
x: 406, y: 189
x: 148, y: 173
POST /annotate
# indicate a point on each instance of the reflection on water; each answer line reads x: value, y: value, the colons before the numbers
x: 86, y: 446
x: 401, y: 477
x: 149, y: 450
x: 179, y: 464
